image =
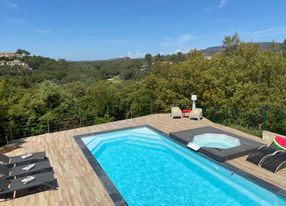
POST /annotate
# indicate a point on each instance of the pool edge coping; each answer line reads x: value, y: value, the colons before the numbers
x: 118, y: 199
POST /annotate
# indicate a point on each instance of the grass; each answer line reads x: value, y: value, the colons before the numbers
x: 115, y: 80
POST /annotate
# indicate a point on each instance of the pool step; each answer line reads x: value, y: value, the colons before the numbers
x: 193, y: 146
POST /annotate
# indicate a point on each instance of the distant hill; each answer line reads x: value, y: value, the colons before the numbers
x: 212, y: 50
x: 266, y: 45
x: 208, y: 52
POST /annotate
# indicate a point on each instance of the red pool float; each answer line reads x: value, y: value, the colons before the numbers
x: 280, y: 142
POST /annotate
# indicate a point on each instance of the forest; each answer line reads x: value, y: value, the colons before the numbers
x: 241, y: 86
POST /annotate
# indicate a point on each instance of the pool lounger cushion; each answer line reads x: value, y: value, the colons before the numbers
x: 18, y: 160
x: 8, y: 187
x: 275, y: 162
x: 261, y: 154
x: 10, y: 172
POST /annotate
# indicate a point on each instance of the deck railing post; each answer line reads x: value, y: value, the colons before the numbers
x: 226, y: 115
x: 107, y: 110
x: 7, y: 136
x: 48, y: 125
x: 264, y: 116
x: 80, y: 118
x: 10, y: 131
x: 213, y: 114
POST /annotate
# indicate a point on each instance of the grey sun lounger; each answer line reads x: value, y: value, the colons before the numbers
x: 275, y: 162
x: 10, y: 172
x: 261, y: 154
x: 8, y: 187
x: 18, y: 160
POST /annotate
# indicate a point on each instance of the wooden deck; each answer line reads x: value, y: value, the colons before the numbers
x: 78, y: 183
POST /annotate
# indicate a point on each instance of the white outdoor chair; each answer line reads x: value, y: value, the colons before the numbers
x: 196, y: 114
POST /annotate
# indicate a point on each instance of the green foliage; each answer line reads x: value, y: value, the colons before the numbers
x: 22, y: 52
x: 3, y: 112
x: 242, y: 86
x: 148, y: 59
x: 46, y: 103
x: 158, y: 57
x: 230, y: 44
x: 101, y: 100
x: 283, y: 48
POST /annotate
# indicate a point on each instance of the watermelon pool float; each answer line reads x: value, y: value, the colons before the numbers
x: 280, y: 142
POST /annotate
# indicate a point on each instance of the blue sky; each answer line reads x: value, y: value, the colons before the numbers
x: 103, y: 29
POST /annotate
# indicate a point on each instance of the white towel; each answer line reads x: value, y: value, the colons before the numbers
x: 28, y: 167
x: 28, y: 179
x: 25, y: 156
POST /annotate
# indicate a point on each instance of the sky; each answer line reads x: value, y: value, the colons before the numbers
x: 104, y: 29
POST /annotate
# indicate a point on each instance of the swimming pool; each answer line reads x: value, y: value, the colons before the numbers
x: 214, y: 140
x: 148, y: 168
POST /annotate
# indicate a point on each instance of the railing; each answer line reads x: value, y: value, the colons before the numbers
x: 21, y: 127
x: 251, y: 120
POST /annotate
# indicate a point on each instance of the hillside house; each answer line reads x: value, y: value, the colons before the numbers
x: 10, y: 55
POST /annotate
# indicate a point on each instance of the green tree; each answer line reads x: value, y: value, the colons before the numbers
x: 148, y: 59
x: 283, y: 48
x: 158, y: 57
x: 3, y: 114
x: 22, y: 52
x: 231, y: 44
x: 237, y: 82
x: 101, y: 102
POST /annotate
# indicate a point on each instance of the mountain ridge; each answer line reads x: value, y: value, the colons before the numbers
x: 214, y: 49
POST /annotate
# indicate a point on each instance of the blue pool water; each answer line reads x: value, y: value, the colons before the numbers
x: 214, y: 140
x: 147, y: 168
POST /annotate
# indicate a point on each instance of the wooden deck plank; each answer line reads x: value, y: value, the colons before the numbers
x: 79, y: 185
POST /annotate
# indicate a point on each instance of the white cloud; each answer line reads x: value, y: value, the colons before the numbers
x: 270, y: 31
x: 66, y: 31
x: 267, y: 34
x: 42, y: 31
x: 9, y: 4
x: 179, y: 41
x: 263, y: 35
x: 222, y: 4
x: 181, y: 50
x: 15, y: 21
x: 178, y: 50
x: 135, y: 55
x: 184, y: 38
